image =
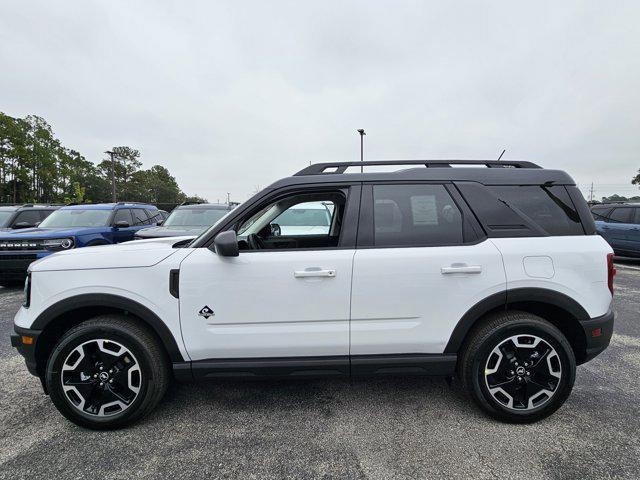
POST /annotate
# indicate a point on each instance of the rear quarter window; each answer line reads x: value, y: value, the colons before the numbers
x: 550, y: 208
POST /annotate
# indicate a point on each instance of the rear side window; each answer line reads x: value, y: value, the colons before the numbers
x: 548, y: 207
x: 44, y: 213
x: 415, y: 215
x: 636, y: 220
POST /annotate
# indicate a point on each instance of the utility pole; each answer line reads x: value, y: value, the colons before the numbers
x: 591, y: 193
x: 362, y: 134
x: 228, y: 198
x: 113, y: 175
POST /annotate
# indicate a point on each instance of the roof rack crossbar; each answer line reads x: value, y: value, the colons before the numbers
x: 341, y: 167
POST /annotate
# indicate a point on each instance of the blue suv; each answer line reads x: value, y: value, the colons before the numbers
x: 73, y: 226
x: 619, y: 224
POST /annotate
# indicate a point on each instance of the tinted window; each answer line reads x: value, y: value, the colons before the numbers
x: 600, y: 213
x: 5, y: 216
x: 122, y: 215
x: 75, y: 217
x: 154, y: 216
x: 194, y: 217
x: 139, y: 217
x: 621, y: 215
x: 30, y: 217
x: 548, y: 207
x: 637, y: 216
x: 416, y: 215
x: 44, y: 213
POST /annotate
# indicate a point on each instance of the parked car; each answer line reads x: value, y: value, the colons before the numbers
x: 14, y: 217
x: 495, y: 275
x: 68, y: 228
x: 619, y: 224
x: 187, y: 219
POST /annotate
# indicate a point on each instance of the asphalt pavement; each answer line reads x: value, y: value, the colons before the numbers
x: 365, y: 428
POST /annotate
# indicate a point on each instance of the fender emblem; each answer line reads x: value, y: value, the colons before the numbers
x: 206, y: 312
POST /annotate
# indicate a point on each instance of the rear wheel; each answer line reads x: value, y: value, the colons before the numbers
x: 518, y: 367
x: 107, y: 373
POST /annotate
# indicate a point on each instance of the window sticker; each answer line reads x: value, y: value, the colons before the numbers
x: 423, y: 209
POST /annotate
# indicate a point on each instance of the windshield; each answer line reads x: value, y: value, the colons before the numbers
x: 194, y: 217
x: 5, y: 216
x: 76, y: 218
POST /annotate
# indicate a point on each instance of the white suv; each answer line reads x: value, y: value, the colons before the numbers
x: 493, y: 274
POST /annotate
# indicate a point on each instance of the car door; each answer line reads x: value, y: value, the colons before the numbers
x: 277, y: 301
x: 419, y: 267
x: 618, y: 226
x: 120, y: 234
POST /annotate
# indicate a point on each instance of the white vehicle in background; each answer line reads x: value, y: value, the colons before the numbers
x: 310, y: 218
x: 495, y: 275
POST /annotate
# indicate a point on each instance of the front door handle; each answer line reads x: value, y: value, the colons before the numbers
x: 461, y: 268
x: 314, y: 272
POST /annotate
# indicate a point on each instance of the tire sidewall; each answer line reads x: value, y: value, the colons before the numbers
x: 59, y: 398
x: 548, y: 333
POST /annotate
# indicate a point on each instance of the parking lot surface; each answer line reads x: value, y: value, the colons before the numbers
x: 365, y: 428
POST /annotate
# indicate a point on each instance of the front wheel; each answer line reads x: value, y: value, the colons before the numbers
x: 107, y: 373
x: 518, y: 367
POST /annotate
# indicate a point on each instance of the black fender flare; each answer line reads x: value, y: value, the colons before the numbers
x: 503, y: 300
x: 117, y: 302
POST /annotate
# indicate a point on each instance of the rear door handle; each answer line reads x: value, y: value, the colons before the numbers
x: 314, y: 272
x: 464, y: 268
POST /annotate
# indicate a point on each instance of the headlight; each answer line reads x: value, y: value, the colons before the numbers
x: 27, y: 291
x: 58, y: 243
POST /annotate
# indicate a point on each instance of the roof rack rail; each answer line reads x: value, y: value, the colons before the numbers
x: 341, y: 167
x: 131, y: 203
x: 191, y: 203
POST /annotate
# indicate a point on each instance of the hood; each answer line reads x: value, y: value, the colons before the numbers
x: 170, y: 231
x: 145, y: 253
x: 35, y: 233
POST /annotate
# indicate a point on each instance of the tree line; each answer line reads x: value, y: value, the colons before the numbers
x: 36, y: 168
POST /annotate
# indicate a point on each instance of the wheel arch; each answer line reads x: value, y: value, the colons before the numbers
x: 557, y: 308
x: 67, y: 313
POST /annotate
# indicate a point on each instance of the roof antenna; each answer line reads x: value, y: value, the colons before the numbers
x: 502, y: 154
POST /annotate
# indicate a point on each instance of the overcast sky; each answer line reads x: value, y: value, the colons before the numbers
x: 232, y: 95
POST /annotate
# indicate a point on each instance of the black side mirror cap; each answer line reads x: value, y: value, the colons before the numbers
x: 122, y: 224
x: 226, y: 244
x: 23, y: 225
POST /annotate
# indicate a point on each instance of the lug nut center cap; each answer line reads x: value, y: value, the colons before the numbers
x: 519, y: 371
x: 104, y: 376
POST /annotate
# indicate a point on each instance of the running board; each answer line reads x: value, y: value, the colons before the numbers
x: 309, y: 367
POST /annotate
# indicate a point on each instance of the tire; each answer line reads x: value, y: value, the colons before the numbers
x: 504, y: 367
x: 133, y: 378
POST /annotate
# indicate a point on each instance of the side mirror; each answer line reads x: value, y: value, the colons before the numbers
x: 122, y: 224
x: 276, y: 231
x: 226, y: 244
x: 23, y: 225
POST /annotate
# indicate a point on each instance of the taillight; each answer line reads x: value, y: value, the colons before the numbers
x: 611, y: 271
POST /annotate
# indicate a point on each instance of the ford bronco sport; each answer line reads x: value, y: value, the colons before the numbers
x: 491, y: 271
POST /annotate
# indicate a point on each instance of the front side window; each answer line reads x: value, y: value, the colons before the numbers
x: 548, y: 207
x: 139, y: 217
x: 122, y: 215
x: 194, y: 217
x: 621, y: 215
x: 76, y: 217
x: 27, y: 217
x: 415, y: 215
x: 309, y: 220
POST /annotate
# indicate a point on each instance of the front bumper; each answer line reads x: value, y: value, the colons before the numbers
x: 14, y: 265
x: 27, y: 350
x: 597, y: 332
